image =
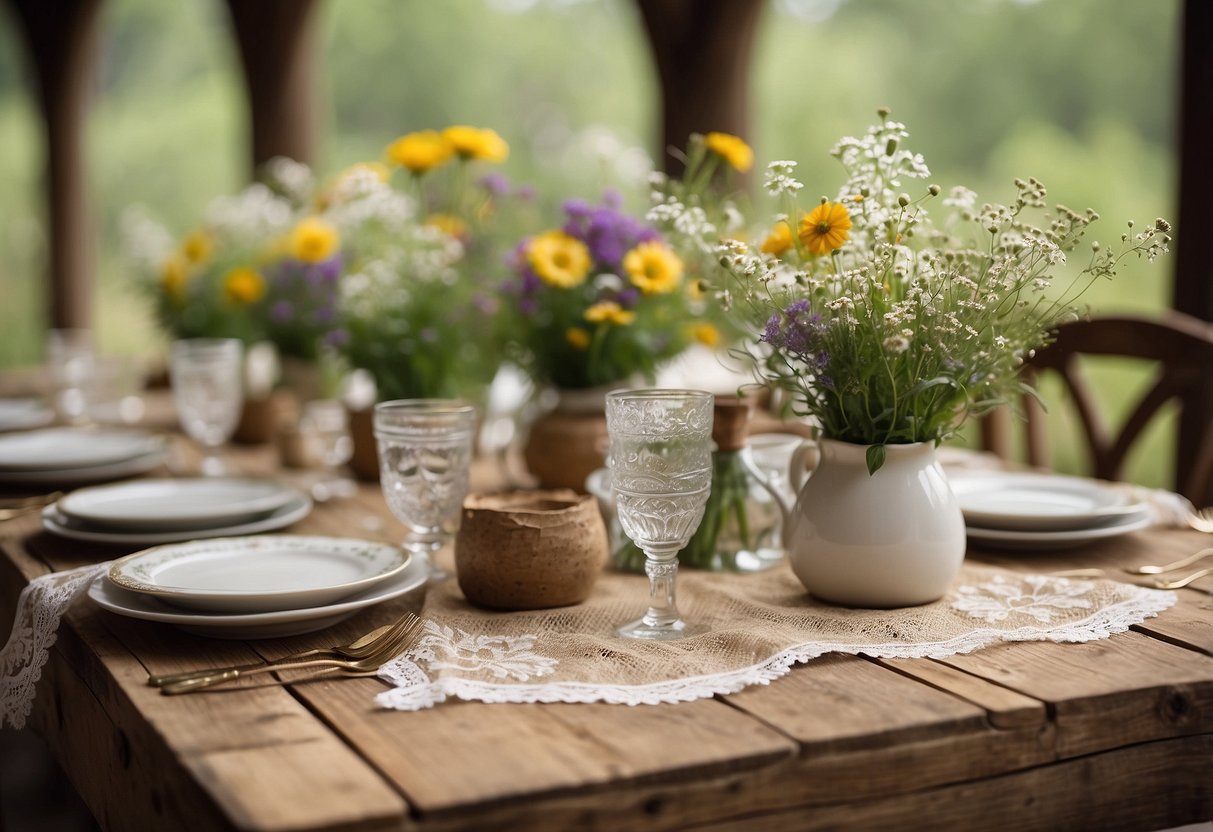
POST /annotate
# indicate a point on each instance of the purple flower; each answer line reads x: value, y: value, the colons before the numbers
x: 628, y: 297
x: 525, y: 192
x: 282, y: 311
x: 429, y: 335
x: 608, y: 233
x: 337, y: 337
x: 495, y: 183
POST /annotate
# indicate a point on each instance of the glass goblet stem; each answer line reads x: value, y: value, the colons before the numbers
x: 662, y: 569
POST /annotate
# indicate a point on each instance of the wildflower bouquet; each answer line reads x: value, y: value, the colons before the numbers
x: 600, y: 299
x: 416, y: 309
x: 260, y: 267
x: 887, y: 327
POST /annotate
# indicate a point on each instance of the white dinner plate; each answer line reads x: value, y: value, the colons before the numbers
x: 89, y: 474
x: 58, y: 449
x: 1041, y: 502
x: 1064, y: 539
x: 56, y: 522
x: 23, y: 414
x: 261, y: 624
x: 167, y: 504
x: 258, y: 574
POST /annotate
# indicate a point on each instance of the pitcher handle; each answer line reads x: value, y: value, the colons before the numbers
x: 799, y: 467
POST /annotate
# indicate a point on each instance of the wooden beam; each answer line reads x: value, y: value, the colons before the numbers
x: 702, y: 50
x: 1193, y: 289
x: 61, y: 40
x: 277, y: 46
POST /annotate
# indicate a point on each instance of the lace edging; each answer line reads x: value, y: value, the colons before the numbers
x: 415, y: 691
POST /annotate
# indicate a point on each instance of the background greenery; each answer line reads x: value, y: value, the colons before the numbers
x: 1079, y: 93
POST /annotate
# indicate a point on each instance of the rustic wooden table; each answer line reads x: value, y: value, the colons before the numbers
x: 1112, y: 734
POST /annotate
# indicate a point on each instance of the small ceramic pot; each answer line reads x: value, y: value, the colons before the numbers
x: 365, y: 460
x: 529, y: 549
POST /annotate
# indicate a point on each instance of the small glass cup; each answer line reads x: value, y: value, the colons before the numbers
x: 425, y: 456
x: 208, y: 391
x: 661, y: 472
x: 70, y: 354
x: 326, y: 427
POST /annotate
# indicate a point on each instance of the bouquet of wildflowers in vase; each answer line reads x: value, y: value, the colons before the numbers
x: 417, y: 305
x: 262, y: 266
x: 600, y: 299
x: 887, y: 325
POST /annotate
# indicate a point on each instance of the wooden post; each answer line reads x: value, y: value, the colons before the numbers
x: 61, y: 39
x: 277, y: 49
x: 702, y: 50
x: 1193, y: 288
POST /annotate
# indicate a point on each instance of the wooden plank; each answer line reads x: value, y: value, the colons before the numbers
x: 1153, y: 786
x: 469, y: 754
x: 1188, y: 624
x: 305, y: 775
x: 1004, y: 708
x: 1148, y: 689
x: 852, y: 707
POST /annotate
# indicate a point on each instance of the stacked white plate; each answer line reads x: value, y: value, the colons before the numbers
x: 66, y: 456
x: 24, y: 413
x: 1042, y: 511
x: 260, y: 587
x: 151, y: 511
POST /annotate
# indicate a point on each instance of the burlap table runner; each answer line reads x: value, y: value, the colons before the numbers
x: 759, y: 626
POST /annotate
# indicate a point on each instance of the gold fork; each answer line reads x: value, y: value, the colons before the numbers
x: 388, y: 648
x: 1150, y: 569
x: 1182, y: 582
x: 359, y: 648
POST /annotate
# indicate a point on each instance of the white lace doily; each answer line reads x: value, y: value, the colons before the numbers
x: 760, y: 626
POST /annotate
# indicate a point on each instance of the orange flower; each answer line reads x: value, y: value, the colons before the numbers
x: 825, y: 228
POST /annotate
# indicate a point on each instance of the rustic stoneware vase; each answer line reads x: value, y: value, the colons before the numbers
x: 529, y: 550
x: 566, y: 444
x: 895, y: 538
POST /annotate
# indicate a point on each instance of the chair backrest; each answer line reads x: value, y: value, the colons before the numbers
x: 1180, y: 347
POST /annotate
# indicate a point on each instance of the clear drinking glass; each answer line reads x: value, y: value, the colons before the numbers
x: 661, y: 472
x: 326, y: 427
x: 70, y: 354
x: 208, y: 391
x: 425, y: 454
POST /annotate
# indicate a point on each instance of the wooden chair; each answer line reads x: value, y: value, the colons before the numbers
x: 1182, y: 348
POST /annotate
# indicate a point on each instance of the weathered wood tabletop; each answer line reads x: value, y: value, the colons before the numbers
x: 1112, y: 734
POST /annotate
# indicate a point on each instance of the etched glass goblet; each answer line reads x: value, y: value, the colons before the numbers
x: 661, y: 472
x: 207, y: 377
x: 425, y: 454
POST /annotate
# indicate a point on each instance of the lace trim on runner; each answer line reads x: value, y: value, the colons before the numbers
x: 415, y: 690
x: 35, y: 628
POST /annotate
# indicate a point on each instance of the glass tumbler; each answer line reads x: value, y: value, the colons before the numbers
x: 425, y: 455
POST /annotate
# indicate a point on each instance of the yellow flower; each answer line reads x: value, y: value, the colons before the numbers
x: 611, y: 312
x: 420, y: 151
x: 558, y: 259
x: 731, y: 148
x: 477, y: 143
x: 313, y: 240
x: 197, y: 247
x: 449, y: 224
x: 174, y: 274
x: 779, y: 240
x: 825, y: 228
x: 653, y: 268
x: 243, y: 285
x: 706, y: 334
x: 578, y: 338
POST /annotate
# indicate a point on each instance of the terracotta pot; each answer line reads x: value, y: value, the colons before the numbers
x: 365, y: 461
x: 529, y: 549
x: 568, y: 443
x: 260, y: 419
